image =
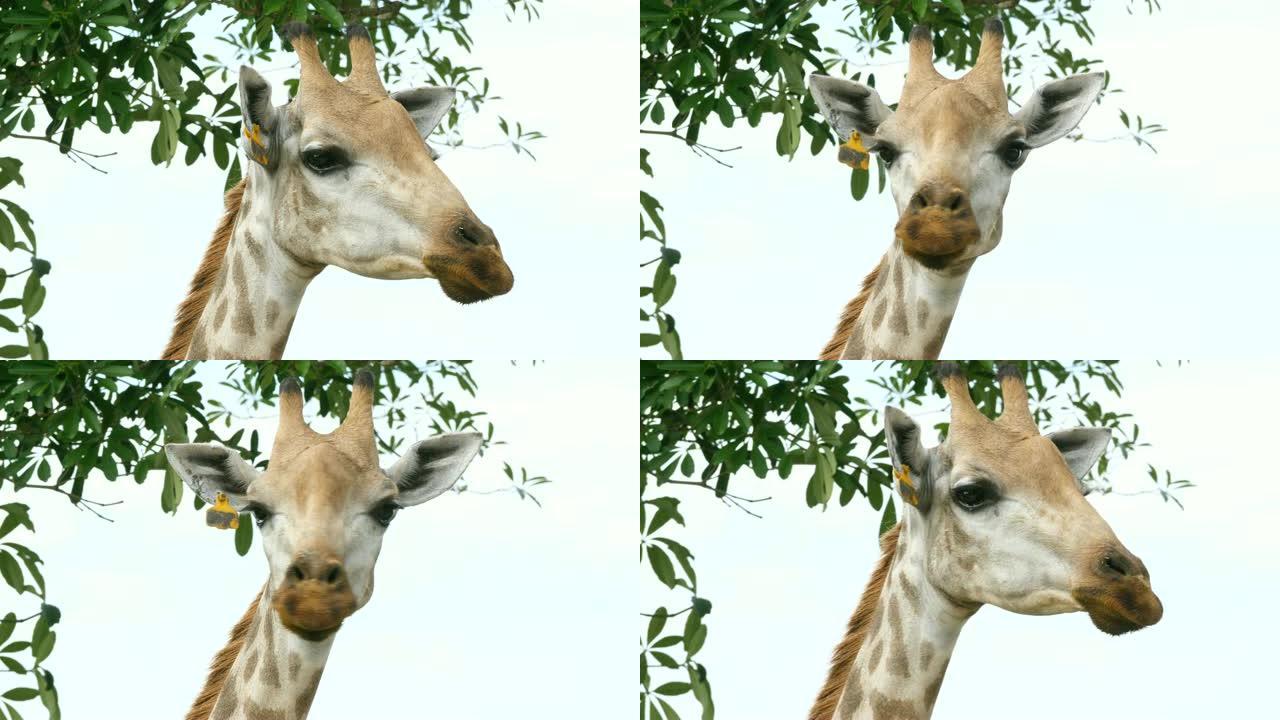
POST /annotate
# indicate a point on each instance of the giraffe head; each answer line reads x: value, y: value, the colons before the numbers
x: 353, y: 182
x: 1004, y: 517
x: 952, y: 146
x: 323, y: 503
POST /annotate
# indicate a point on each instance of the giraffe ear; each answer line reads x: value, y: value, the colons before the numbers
x: 910, y: 460
x: 848, y: 105
x: 1081, y: 449
x: 210, y: 469
x: 433, y: 466
x: 1058, y: 107
x: 261, y: 119
x: 426, y: 106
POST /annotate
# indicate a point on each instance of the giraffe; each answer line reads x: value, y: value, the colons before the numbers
x: 994, y: 515
x: 322, y: 506
x: 950, y: 148
x: 341, y: 175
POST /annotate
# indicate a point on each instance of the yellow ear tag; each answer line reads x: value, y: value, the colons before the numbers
x: 854, y: 154
x: 903, y: 477
x: 222, y: 515
x: 259, y: 150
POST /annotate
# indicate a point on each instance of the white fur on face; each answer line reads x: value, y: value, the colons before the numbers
x: 376, y: 220
x: 301, y: 523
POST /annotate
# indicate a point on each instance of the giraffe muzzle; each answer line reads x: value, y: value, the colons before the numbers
x: 1119, y: 598
x: 314, y: 598
x: 938, y: 226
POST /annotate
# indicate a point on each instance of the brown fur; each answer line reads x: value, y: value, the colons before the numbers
x: 824, y: 707
x: 835, y: 347
x: 220, y: 668
x: 192, y: 307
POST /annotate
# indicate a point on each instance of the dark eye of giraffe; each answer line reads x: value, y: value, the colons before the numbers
x: 888, y: 154
x: 260, y: 514
x: 1013, y: 154
x: 384, y: 513
x: 974, y: 495
x: 324, y: 160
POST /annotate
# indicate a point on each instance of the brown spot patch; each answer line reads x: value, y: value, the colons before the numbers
x: 887, y: 708
x: 254, y: 711
x: 303, y: 703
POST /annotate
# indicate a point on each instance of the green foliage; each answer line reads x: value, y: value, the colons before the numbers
x: 718, y: 62
x: 67, y: 426
x: 115, y: 64
x: 719, y: 426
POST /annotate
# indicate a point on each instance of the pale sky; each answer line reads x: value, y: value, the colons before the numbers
x: 1108, y: 250
x: 783, y: 587
x: 485, y: 606
x: 125, y: 245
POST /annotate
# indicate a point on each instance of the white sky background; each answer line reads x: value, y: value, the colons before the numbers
x: 784, y: 587
x: 485, y: 606
x: 1108, y: 250
x: 124, y: 246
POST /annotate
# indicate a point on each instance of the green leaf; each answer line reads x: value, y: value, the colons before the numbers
x: 656, y: 623
x: 661, y: 565
x: 12, y: 572
x: 244, y: 534
x: 7, y: 625
x: 20, y: 694
x: 859, y: 182
x: 329, y: 12
x: 672, y: 688
x: 889, y: 518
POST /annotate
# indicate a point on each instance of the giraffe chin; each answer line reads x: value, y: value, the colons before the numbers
x: 1119, y: 611
x: 468, y: 282
x: 312, y: 611
x: 936, y: 240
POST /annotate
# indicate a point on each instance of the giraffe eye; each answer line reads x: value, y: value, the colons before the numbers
x: 888, y: 154
x: 1013, y: 154
x: 260, y: 514
x: 324, y: 160
x: 384, y: 513
x: 974, y: 496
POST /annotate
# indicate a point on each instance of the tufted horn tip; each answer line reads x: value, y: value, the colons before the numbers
x: 993, y: 26
x: 921, y: 33
x: 294, y: 30
x: 364, y: 379
x: 944, y: 370
x: 1009, y: 370
x: 290, y: 386
x: 358, y: 30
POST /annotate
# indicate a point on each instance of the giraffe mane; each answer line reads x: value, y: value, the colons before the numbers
x: 852, y: 311
x: 192, y: 307
x: 824, y: 707
x: 222, y: 662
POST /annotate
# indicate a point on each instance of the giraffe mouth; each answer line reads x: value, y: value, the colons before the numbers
x: 312, y: 610
x: 473, y: 277
x: 1121, y: 607
x: 936, y: 239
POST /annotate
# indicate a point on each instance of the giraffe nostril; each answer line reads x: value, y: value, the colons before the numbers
x: 335, y: 573
x: 295, y: 572
x: 1117, y: 564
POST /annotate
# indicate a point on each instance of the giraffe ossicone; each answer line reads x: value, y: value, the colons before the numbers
x: 951, y: 148
x: 995, y: 515
x: 322, y: 507
x: 340, y: 175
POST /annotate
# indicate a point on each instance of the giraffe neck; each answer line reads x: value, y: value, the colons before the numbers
x: 276, y: 673
x: 899, y: 668
x: 907, y: 309
x: 255, y: 298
